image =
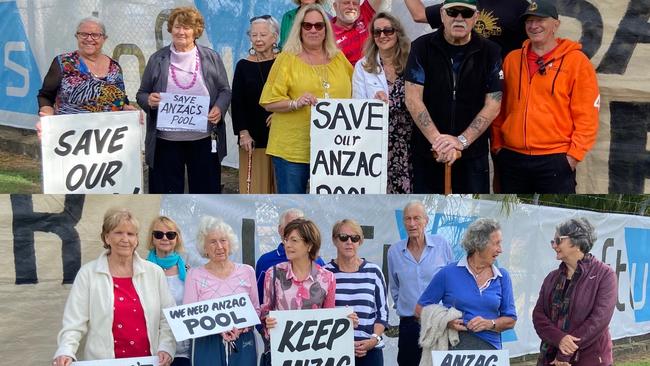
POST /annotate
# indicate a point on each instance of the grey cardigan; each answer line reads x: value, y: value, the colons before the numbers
x: 154, y: 80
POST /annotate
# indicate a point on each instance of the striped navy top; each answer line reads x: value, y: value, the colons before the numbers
x: 365, y: 291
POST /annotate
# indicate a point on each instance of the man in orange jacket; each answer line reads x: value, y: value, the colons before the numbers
x: 549, y: 115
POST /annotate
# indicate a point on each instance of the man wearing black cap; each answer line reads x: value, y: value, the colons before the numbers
x: 549, y: 119
x: 453, y: 91
x: 498, y: 20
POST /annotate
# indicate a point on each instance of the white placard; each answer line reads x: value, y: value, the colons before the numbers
x: 92, y: 153
x: 471, y: 358
x: 312, y: 337
x: 134, y: 361
x: 211, y: 316
x: 179, y: 112
x: 349, y: 146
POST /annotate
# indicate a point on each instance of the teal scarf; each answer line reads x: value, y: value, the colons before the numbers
x: 173, y: 259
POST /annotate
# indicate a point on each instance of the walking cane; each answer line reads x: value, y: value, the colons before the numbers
x: 249, y: 171
x: 448, y: 171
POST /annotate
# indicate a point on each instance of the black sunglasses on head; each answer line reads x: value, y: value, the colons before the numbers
x: 388, y: 31
x: 542, y: 65
x: 464, y: 12
x: 345, y: 237
x: 308, y: 26
x: 171, y: 235
x: 265, y: 16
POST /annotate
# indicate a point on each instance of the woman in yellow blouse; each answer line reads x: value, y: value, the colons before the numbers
x: 310, y: 67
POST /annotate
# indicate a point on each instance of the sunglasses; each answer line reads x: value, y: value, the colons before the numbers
x: 345, y: 237
x: 464, y: 12
x: 558, y: 240
x: 387, y: 31
x: 265, y: 17
x: 94, y: 36
x: 308, y: 26
x: 542, y: 66
x: 171, y: 235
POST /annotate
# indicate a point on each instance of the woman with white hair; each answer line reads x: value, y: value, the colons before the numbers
x: 476, y: 287
x: 309, y: 67
x: 221, y: 277
x: 250, y: 121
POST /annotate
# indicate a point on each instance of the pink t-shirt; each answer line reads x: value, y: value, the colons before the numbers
x: 201, y: 285
x: 350, y: 41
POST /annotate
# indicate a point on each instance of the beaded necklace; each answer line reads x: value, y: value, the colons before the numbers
x: 197, y: 64
x: 322, y: 74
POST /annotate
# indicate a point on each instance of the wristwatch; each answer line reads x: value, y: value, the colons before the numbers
x: 463, y: 141
x: 377, y: 337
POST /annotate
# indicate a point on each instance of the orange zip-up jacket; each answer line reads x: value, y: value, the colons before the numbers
x: 552, y: 113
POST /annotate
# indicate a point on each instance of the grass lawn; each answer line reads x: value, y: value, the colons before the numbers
x: 19, y: 174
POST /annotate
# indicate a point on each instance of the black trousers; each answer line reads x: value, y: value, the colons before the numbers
x: 171, y: 158
x: 468, y: 175
x: 520, y: 173
x: 408, y: 348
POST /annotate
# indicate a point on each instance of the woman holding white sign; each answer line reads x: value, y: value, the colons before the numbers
x: 218, y: 278
x: 576, y: 301
x: 116, y: 302
x: 360, y: 285
x: 309, y: 67
x: 379, y: 75
x: 165, y: 245
x: 189, y: 74
x: 477, y: 288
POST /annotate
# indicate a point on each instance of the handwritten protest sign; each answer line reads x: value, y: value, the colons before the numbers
x: 178, y: 112
x: 211, y: 316
x: 471, y: 358
x: 312, y: 337
x: 92, y: 153
x: 135, y: 361
x: 349, y: 146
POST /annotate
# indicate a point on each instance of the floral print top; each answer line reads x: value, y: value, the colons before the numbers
x: 317, y: 291
x: 400, y: 127
x: 71, y: 88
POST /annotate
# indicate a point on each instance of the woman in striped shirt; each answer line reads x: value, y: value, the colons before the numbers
x: 361, y: 285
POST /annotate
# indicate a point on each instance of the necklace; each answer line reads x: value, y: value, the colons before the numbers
x: 477, y: 272
x: 321, y: 73
x: 196, y: 72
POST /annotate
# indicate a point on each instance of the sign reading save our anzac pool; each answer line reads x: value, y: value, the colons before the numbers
x: 178, y: 112
x: 349, y: 146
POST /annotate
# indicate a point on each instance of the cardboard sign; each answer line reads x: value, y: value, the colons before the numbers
x: 211, y: 316
x: 135, y: 361
x: 178, y: 112
x: 312, y: 337
x: 471, y: 358
x: 349, y: 146
x: 92, y: 153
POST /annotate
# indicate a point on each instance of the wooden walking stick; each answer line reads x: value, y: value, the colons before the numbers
x: 249, y: 171
x: 448, y: 171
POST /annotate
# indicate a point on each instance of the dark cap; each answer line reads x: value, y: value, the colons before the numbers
x: 540, y: 8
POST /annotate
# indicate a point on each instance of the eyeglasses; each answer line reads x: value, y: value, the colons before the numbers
x: 387, y: 31
x: 308, y: 26
x: 464, y: 12
x: 345, y: 237
x: 94, y: 36
x: 265, y: 17
x: 542, y: 66
x: 558, y: 240
x: 171, y: 235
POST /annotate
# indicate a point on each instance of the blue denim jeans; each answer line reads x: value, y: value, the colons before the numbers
x: 290, y: 177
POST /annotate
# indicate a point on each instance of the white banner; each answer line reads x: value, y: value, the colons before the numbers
x: 178, y: 112
x: 470, y: 358
x: 312, y: 337
x: 92, y: 153
x: 214, y: 316
x: 135, y: 361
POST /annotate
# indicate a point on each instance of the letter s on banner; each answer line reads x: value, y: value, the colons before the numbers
x: 14, y: 91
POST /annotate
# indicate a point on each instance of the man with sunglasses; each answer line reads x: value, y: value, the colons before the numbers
x: 412, y: 263
x: 351, y: 25
x: 549, y: 119
x: 498, y: 20
x: 453, y: 92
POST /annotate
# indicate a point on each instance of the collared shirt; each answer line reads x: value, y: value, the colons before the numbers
x: 408, y: 277
x: 455, y: 285
x: 350, y: 41
x: 268, y: 260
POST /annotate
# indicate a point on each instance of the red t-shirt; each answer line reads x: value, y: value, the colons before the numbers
x: 532, y: 57
x: 129, y: 326
x: 350, y: 41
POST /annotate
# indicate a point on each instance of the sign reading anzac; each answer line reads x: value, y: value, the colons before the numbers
x: 471, y: 358
x: 349, y: 146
